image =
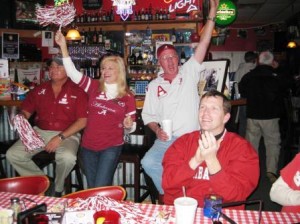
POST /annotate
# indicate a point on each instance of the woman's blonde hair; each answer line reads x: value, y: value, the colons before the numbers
x: 121, y: 80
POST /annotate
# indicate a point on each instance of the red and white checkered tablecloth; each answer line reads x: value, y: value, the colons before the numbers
x: 150, y: 210
x: 239, y: 216
x: 49, y: 201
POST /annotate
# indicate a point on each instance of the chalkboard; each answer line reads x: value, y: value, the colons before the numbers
x: 92, y: 4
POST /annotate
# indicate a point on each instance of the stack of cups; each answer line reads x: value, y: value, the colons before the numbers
x: 185, y: 210
x: 167, y: 127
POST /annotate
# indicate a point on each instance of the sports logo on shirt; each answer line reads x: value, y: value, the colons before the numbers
x: 63, y: 100
x: 161, y: 92
x: 101, y: 96
x: 42, y: 92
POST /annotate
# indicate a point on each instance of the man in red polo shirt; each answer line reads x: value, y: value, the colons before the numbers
x: 60, y: 108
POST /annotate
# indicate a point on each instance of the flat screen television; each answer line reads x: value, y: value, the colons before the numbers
x: 24, y: 11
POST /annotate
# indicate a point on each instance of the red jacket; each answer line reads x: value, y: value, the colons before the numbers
x: 235, y: 182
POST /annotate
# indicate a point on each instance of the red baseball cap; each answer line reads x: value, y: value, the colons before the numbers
x: 164, y: 47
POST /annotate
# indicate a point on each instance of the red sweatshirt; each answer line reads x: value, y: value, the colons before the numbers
x: 235, y: 182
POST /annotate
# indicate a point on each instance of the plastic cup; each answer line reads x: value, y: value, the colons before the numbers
x: 209, y: 201
x: 107, y: 217
x: 185, y: 210
x: 167, y: 127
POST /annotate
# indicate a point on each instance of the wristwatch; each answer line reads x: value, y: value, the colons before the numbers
x: 211, y: 18
x: 61, y: 136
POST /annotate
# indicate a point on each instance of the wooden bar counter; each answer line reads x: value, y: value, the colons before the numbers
x: 10, y: 103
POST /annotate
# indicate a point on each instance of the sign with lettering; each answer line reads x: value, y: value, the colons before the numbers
x: 92, y: 4
x: 10, y: 45
x: 226, y: 13
x: 190, y: 5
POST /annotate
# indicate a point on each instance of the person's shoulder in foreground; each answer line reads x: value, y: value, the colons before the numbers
x: 212, y: 160
x: 286, y: 190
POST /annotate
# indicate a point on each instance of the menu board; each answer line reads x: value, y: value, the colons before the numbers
x: 92, y: 4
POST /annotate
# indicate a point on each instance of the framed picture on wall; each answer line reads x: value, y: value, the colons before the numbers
x: 214, y: 76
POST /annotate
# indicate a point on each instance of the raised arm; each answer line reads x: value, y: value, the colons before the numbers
x: 72, y: 72
x: 204, y: 42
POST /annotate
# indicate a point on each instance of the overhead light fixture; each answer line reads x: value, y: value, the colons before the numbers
x: 291, y: 44
x: 73, y: 34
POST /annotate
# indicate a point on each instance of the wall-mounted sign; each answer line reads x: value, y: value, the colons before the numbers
x: 124, y: 7
x: 92, y: 4
x: 10, y: 45
x: 226, y: 13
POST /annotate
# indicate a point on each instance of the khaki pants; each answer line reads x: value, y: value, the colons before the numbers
x: 269, y: 130
x: 65, y: 157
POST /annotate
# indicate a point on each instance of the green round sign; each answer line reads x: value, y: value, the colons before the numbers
x: 226, y: 13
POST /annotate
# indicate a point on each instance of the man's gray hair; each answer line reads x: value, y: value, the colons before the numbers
x: 266, y: 58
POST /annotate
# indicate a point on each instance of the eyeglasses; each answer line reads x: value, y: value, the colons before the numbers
x: 169, y: 56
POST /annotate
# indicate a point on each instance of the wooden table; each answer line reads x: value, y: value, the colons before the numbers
x: 10, y: 103
x: 146, y: 213
x: 238, y: 102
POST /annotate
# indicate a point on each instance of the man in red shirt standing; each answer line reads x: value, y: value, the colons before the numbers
x: 60, y: 108
x: 212, y: 161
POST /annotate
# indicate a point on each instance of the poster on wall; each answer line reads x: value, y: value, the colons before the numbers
x: 10, y: 45
x: 4, y: 68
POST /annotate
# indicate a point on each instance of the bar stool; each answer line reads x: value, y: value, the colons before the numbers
x: 44, y: 159
x: 4, y: 146
x: 133, y: 153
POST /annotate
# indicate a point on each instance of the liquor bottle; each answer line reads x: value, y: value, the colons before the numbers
x: 135, y: 18
x: 139, y: 59
x: 112, y: 16
x: 95, y: 36
x: 100, y: 36
x: 182, y: 57
x: 156, y: 15
x: 181, y: 37
x: 161, y: 14
x: 146, y: 15
x: 88, y: 37
x: 150, y: 12
x: 173, y: 36
x: 132, y: 59
x: 100, y: 16
x: 83, y: 35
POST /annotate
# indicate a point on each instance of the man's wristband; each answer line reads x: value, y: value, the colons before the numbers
x: 211, y: 18
x: 61, y: 136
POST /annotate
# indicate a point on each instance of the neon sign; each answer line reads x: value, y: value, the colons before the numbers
x: 181, y: 4
x: 124, y: 7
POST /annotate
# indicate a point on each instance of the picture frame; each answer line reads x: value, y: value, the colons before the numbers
x: 214, y: 76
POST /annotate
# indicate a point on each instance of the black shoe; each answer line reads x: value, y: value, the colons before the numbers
x: 51, y: 190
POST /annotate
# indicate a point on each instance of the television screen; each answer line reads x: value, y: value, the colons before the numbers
x: 25, y: 13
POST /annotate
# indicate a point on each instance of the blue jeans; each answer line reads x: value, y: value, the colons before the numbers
x: 152, y: 161
x: 100, y: 166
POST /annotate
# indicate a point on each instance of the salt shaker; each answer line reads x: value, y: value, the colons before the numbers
x: 16, y: 207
